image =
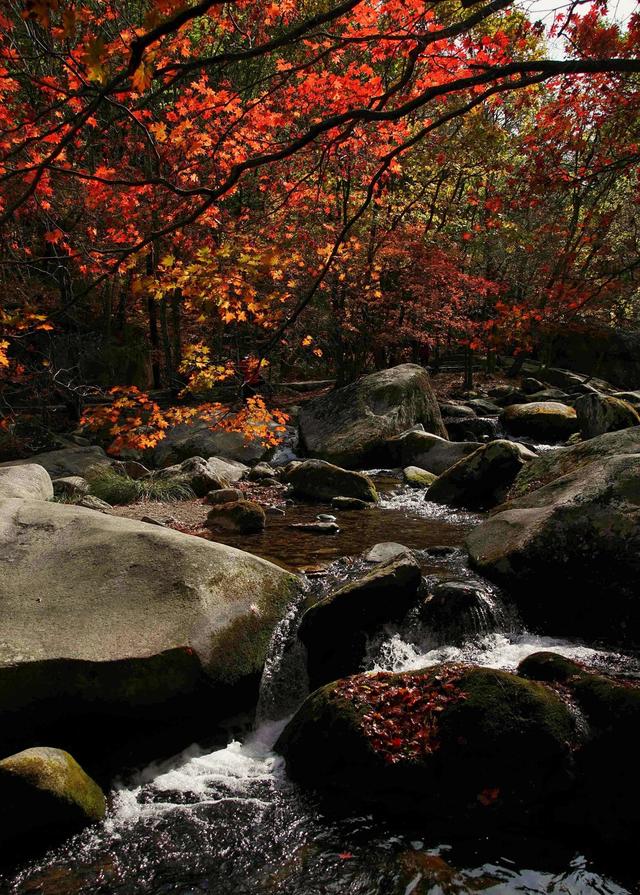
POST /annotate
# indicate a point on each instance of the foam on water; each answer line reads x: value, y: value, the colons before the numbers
x: 498, y: 650
x: 412, y: 500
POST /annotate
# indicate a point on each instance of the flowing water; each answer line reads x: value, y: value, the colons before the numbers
x: 229, y: 822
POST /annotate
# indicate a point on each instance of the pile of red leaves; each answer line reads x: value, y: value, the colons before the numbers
x: 401, y: 714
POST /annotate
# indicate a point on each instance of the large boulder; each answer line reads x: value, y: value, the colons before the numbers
x: 569, y: 551
x: 30, y: 481
x: 482, y: 479
x: 319, y: 480
x: 67, y: 461
x: 107, y: 624
x: 598, y: 414
x: 198, y: 439
x: 555, y: 464
x: 229, y: 470
x: 427, y: 451
x: 45, y: 792
x: 334, y: 631
x: 350, y: 425
x: 463, y: 744
x: 546, y: 421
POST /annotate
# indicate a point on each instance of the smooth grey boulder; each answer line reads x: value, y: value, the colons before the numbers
x: 598, y: 414
x: 30, y: 481
x: 66, y: 461
x: 197, y: 473
x: 230, y: 470
x: 197, y: 439
x: 427, y: 451
x: 568, y: 552
x: 106, y: 617
x: 44, y: 791
x: 350, y: 425
x: 319, y: 480
x: 546, y: 421
x: 481, y: 480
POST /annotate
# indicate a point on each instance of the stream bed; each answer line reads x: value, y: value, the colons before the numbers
x: 227, y: 821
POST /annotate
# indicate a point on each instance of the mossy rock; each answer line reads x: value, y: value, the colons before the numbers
x: 45, y: 791
x: 598, y: 414
x: 461, y: 743
x: 482, y: 479
x: 546, y: 421
x: 319, y: 480
x: 545, y: 666
x: 350, y: 425
x: 418, y: 478
x: 244, y: 516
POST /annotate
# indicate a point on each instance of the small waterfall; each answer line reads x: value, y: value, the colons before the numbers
x: 284, y: 682
x: 459, y: 610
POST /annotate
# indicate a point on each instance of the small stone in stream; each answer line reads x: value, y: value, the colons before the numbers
x: 441, y: 550
x: 224, y: 495
x: 321, y: 528
x: 274, y: 511
x: 417, y: 477
x: 243, y: 516
x: 349, y: 503
x: 325, y: 517
x: 152, y: 520
x: 385, y: 551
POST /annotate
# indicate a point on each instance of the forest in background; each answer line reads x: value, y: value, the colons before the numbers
x: 192, y: 191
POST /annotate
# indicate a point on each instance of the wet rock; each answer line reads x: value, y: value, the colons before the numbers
x: 350, y: 425
x: 572, y: 546
x: 483, y: 407
x: 30, y: 481
x: 319, y: 480
x: 385, y: 551
x: 470, y: 745
x: 334, y: 631
x: 549, y: 394
x: 44, y: 791
x: 134, y: 623
x: 598, y: 414
x: 458, y: 610
x: 224, y: 495
x: 456, y: 411
x: 243, y: 516
x: 506, y: 395
x: 418, y: 478
x: 72, y: 487
x: 427, y: 451
x: 349, y: 503
x: 546, y: 666
x: 481, y: 480
x: 67, y: 461
x: 319, y: 528
x: 530, y: 385
x: 473, y: 429
x: 546, y: 421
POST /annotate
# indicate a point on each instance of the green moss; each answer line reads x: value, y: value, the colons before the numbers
x: 240, y: 650
x: 545, y: 666
x: 59, y: 774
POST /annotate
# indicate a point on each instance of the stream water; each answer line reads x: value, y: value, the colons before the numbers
x: 228, y: 821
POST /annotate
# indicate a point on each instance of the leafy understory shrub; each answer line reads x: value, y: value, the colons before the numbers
x: 115, y: 488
